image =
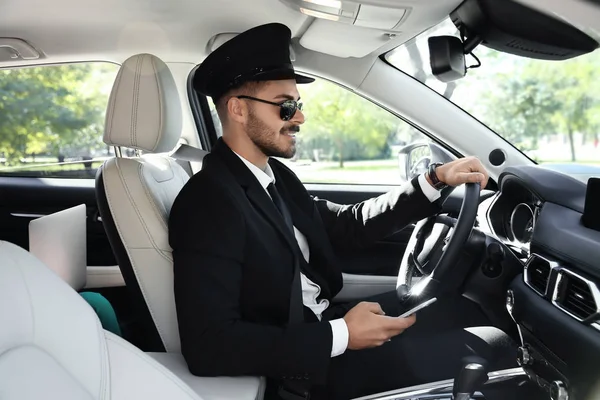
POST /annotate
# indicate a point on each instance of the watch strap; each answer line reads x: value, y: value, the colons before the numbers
x: 434, y: 178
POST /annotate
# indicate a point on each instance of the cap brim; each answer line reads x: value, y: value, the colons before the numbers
x: 304, y: 79
x: 281, y: 74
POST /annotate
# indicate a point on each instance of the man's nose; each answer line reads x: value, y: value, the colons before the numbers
x: 299, y: 117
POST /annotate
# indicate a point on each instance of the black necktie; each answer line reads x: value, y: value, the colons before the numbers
x: 279, y: 203
x: 296, y: 307
x: 290, y: 389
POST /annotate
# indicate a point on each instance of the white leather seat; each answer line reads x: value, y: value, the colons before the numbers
x: 53, y: 347
x: 135, y: 196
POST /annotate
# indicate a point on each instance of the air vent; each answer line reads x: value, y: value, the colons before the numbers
x: 576, y: 295
x: 537, y: 273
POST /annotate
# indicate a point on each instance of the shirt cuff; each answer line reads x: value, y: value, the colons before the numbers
x: 429, y: 191
x: 340, y: 336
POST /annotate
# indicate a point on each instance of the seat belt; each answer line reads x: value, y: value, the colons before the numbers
x: 185, y: 154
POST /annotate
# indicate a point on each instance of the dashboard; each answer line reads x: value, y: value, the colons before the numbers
x: 513, y: 216
x: 555, y: 302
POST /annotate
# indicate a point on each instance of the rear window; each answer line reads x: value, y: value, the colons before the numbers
x: 52, y: 119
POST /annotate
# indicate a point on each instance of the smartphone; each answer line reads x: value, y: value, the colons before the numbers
x: 418, y: 307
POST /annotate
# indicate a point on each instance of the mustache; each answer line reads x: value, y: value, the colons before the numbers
x: 291, y: 128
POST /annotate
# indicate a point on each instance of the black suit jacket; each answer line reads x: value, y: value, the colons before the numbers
x: 234, y: 263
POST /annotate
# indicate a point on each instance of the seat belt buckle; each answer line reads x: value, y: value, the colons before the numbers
x: 286, y: 392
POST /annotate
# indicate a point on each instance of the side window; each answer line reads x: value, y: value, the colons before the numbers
x: 52, y: 119
x: 346, y: 139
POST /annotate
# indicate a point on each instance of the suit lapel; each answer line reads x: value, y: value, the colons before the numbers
x: 255, y: 192
x: 259, y: 198
x: 305, y: 223
x: 302, y: 219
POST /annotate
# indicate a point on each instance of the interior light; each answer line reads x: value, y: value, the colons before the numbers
x: 318, y: 14
x: 326, y: 3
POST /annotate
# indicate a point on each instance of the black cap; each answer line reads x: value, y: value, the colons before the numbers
x: 258, y: 54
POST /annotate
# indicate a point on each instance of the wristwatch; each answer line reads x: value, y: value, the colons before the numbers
x: 439, y: 185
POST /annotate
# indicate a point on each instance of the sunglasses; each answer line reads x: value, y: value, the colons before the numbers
x: 287, y: 108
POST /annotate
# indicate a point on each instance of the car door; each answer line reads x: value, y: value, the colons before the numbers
x: 349, y: 150
x: 51, y: 125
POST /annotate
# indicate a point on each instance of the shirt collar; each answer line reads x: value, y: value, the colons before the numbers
x: 265, y: 178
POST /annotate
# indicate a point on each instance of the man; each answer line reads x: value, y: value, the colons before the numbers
x: 254, y: 254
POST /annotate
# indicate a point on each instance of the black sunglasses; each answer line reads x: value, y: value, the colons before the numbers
x: 288, y: 108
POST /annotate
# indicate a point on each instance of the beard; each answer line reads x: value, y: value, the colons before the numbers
x: 267, y: 140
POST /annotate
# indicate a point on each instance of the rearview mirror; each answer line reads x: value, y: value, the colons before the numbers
x: 447, y: 58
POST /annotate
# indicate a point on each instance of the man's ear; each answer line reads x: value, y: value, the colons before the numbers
x: 237, y: 110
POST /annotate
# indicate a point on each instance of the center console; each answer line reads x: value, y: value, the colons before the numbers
x: 557, y: 308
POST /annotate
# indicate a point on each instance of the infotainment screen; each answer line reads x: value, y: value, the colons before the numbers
x: 591, y: 212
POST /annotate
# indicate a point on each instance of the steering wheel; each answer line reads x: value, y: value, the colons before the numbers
x: 433, y: 251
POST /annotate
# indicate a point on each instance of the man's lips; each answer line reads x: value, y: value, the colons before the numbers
x: 291, y: 132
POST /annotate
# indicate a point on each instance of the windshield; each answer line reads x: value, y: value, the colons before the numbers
x: 550, y: 110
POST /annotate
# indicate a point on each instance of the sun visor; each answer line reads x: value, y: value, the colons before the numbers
x: 353, y: 13
x: 343, y: 40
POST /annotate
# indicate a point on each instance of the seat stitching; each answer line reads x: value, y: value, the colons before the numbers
x: 16, y: 260
x: 160, y: 109
x: 135, y: 101
x: 150, y: 198
x: 105, y: 377
x: 18, y: 263
x: 133, y: 266
x: 53, y: 358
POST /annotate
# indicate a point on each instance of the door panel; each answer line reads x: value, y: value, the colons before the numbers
x: 23, y: 199
x: 104, y: 277
x: 384, y: 257
x: 362, y: 286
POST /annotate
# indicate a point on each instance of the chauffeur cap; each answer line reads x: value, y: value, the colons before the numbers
x: 261, y: 53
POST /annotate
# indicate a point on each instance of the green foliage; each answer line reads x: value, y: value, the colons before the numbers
x: 53, y: 110
x: 344, y: 124
x: 525, y: 100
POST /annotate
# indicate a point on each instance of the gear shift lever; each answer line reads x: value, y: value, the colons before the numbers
x: 472, y: 375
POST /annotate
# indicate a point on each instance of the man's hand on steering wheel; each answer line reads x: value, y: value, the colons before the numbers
x: 436, y: 243
x: 463, y: 170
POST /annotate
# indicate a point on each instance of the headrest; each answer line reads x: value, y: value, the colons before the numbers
x: 144, y: 109
x: 59, y: 240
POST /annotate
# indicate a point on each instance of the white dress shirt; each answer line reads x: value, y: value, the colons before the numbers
x: 310, y: 290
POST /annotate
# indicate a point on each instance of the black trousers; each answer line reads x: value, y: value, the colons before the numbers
x: 431, y: 350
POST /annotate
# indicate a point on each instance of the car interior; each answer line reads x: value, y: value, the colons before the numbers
x: 525, y: 249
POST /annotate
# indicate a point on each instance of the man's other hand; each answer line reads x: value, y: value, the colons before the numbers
x: 369, y: 327
x: 463, y: 170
